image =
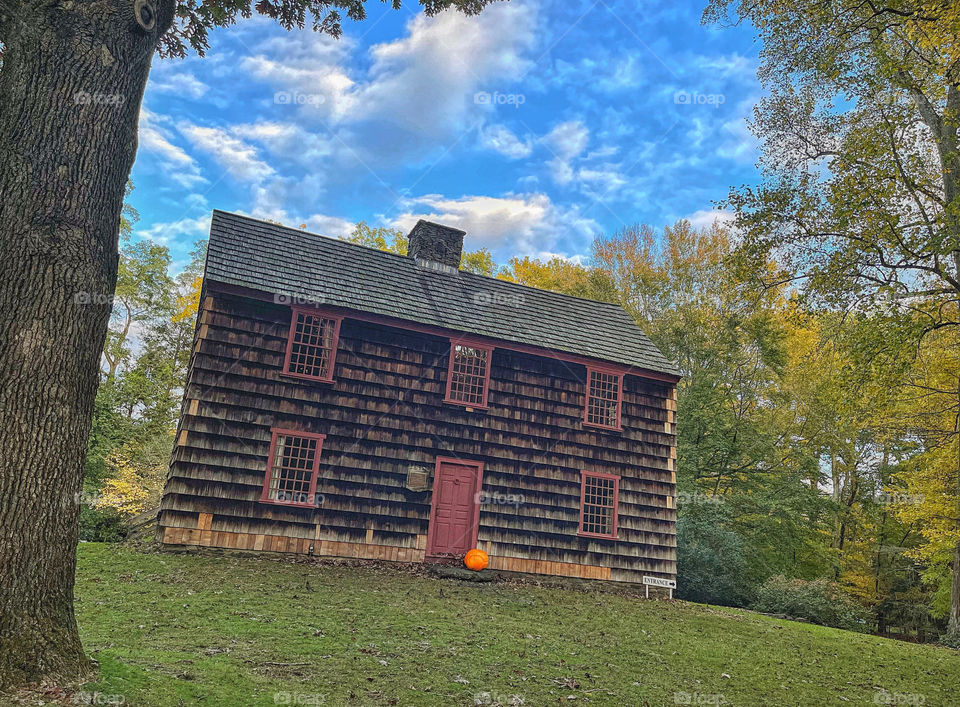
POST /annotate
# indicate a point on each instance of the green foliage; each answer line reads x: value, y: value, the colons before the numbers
x: 143, y: 292
x: 109, y: 430
x: 391, y: 240
x: 101, y: 526
x: 479, y: 262
x: 860, y: 201
x: 560, y: 275
x: 128, y: 214
x: 146, y: 354
x: 818, y: 601
x: 711, y: 560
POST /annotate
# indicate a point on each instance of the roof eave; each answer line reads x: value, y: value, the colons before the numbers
x: 283, y: 298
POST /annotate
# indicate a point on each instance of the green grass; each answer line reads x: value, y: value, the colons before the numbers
x: 170, y: 629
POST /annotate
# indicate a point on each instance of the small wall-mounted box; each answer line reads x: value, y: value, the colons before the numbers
x: 418, y: 478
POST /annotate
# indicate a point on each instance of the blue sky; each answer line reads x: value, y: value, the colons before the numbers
x: 534, y: 126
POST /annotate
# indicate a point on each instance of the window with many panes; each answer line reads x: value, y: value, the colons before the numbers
x: 603, y: 398
x: 598, y: 504
x: 292, y: 468
x: 468, y: 377
x: 312, y: 345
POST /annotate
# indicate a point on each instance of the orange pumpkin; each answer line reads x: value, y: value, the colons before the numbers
x: 476, y: 560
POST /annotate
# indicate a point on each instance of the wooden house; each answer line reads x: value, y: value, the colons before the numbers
x: 349, y: 402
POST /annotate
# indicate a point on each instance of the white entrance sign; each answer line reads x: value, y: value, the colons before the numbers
x: 658, y: 582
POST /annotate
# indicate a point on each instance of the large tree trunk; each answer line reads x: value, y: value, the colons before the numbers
x: 71, y: 83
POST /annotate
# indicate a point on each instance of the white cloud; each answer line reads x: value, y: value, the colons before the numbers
x: 289, y: 141
x: 417, y: 93
x: 164, y: 233
x: 239, y: 158
x: 500, y: 139
x: 704, y: 218
x: 514, y: 224
x: 740, y: 144
x: 626, y: 73
x: 727, y: 66
x: 323, y: 224
x: 560, y: 170
x: 329, y: 225
x: 442, y: 62
x: 546, y: 256
x: 307, y: 66
x: 182, y: 84
x: 568, y: 140
x: 604, y: 180
x: 602, y: 70
x: 154, y: 136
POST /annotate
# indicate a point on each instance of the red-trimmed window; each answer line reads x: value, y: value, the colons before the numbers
x: 604, y: 391
x: 312, y: 345
x: 598, y: 504
x: 291, y: 476
x: 468, y: 378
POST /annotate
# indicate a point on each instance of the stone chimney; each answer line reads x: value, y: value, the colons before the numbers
x: 436, y: 244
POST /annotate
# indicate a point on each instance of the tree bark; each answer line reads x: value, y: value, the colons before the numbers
x: 71, y: 83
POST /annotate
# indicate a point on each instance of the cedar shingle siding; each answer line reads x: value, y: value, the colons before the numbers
x: 385, y: 421
x: 311, y: 268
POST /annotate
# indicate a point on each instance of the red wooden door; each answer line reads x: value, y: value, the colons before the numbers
x: 455, y: 508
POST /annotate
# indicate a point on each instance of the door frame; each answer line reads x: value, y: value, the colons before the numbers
x: 478, y: 486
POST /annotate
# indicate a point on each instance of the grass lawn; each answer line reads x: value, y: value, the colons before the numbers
x: 174, y: 629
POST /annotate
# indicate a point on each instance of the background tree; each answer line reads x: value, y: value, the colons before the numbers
x: 143, y: 289
x: 393, y: 240
x: 924, y: 485
x: 733, y: 476
x: 560, y: 275
x: 861, y: 190
x: 71, y: 84
x: 139, y: 398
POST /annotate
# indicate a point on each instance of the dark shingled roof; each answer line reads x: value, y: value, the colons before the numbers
x: 263, y: 256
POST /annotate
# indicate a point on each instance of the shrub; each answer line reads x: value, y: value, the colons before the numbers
x: 818, y: 601
x: 951, y: 639
x: 105, y: 526
x: 711, y: 561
